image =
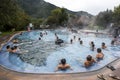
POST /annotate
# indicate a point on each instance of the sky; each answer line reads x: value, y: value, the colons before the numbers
x: 91, y: 6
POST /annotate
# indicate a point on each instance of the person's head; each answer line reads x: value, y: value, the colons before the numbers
x: 63, y: 61
x: 55, y: 34
x: 39, y: 38
x: 79, y: 39
x: 15, y: 47
x: 98, y: 50
x: 8, y: 47
x: 12, y: 48
x: 92, y: 42
x: 71, y: 40
x: 89, y: 58
x: 103, y: 44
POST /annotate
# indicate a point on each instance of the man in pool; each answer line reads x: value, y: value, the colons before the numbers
x: 103, y: 46
x: 89, y: 61
x: 63, y: 65
x: 99, y: 55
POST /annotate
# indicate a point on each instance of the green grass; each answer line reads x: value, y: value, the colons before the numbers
x: 7, y: 33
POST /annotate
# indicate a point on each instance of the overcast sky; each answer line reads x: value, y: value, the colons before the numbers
x: 90, y: 6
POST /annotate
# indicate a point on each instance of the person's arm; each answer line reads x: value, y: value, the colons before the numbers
x: 85, y: 64
x: 69, y: 67
x: 57, y: 68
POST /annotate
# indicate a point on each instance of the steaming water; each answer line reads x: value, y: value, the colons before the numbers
x: 43, y: 56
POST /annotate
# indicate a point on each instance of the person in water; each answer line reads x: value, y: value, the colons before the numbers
x: 15, y: 41
x: 13, y: 50
x: 103, y: 46
x: 41, y: 34
x: 112, y: 43
x: 92, y: 46
x: 71, y: 41
x: 8, y: 48
x: 89, y: 61
x: 81, y: 42
x: 74, y: 37
x: 56, y: 37
x: 79, y: 39
x: 99, y: 55
x: 16, y: 49
x: 63, y: 65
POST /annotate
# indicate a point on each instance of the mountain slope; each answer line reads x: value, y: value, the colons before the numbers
x: 42, y: 9
x: 36, y: 8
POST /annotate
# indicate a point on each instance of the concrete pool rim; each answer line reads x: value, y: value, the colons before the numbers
x: 94, y: 71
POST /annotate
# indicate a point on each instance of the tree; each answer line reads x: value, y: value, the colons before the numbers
x: 58, y: 17
x: 12, y: 16
x: 116, y: 15
x: 104, y: 18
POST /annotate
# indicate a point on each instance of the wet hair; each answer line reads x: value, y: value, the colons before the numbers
x: 63, y: 61
x: 103, y: 44
x: 79, y: 39
x: 89, y: 58
x: 8, y: 46
x: 92, y: 42
x: 15, y: 47
x: 39, y: 38
x: 93, y: 45
x: 98, y: 50
x: 12, y: 48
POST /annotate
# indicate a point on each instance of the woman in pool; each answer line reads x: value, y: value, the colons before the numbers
x: 63, y: 65
x: 89, y: 61
x: 99, y: 55
x: 103, y: 46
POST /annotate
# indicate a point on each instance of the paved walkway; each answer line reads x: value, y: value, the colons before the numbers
x: 6, y: 74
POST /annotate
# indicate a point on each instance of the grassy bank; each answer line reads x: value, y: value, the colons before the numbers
x: 7, y: 33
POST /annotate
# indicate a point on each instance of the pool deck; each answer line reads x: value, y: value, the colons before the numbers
x: 6, y: 74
